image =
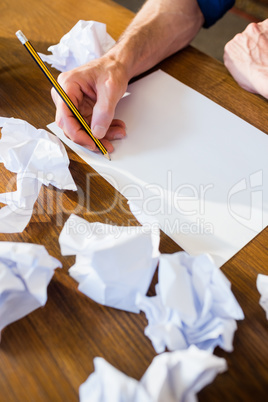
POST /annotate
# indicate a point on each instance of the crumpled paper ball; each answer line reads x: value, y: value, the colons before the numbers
x: 171, y: 377
x: 86, y: 41
x: 113, y: 263
x: 262, y: 286
x: 25, y: 272
x: 194, y: 305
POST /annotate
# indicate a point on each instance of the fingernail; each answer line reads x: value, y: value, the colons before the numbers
x: 99, y: 131
x: 89, y: 147
x: 118, y: 136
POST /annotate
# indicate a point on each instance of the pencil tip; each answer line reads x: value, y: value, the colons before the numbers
x: 107, y: 156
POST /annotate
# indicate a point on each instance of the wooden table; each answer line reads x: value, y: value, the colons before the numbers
x: 48, y: 354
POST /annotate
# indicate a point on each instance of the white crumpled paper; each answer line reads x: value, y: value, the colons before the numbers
x: 107, y: 384
x: 25, y: 272
x: 86, y: 41
x: 113, y: 263
x: 194, y: 305
x: 262, y: 286
x: 37, y: 157
x: 171, y: 377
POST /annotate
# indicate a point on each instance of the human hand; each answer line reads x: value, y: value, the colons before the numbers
x: 95, y: 89
x: 246, y: 58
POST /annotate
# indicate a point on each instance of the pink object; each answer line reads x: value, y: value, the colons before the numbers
x: 246, y: 58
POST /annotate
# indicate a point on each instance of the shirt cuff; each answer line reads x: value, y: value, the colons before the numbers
x: 213, y: 10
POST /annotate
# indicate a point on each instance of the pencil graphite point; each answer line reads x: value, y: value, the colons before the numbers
x: 21, y: 37
x: 107, y: 156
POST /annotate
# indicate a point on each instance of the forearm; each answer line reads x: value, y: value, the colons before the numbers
x: 161, y: 28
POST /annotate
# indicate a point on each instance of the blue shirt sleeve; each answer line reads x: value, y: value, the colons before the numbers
x: 214, y: 9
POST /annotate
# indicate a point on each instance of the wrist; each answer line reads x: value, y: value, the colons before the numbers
x: 121, y: 57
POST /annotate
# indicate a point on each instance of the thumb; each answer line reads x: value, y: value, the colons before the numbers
x: 103, y: 111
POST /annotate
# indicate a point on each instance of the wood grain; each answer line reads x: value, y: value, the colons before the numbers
x: 48, y: 354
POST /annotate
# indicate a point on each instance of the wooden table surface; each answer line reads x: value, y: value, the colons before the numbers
x: 48, y: 354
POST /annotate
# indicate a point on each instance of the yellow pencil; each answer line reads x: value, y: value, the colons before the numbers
x: 61, y: 92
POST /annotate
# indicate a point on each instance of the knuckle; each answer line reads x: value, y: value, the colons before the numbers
x: 63, y: 78
x: 59, y: 121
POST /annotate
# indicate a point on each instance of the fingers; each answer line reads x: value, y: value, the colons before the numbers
x: 95, y: 90
x: 116, y: 131
x: 75, y: 132
x: 66, y: 120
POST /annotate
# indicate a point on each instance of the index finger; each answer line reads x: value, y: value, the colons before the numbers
x: 66, y: 120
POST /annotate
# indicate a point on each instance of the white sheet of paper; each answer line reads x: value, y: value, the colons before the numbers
x: 113, y: 263
x: 25, y: 272
x: 188, y: 165
x: 171, y: 377
x: 38, y: 157
x: 194, y: 305
x: 262, y: 286
x: 86, y: 41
